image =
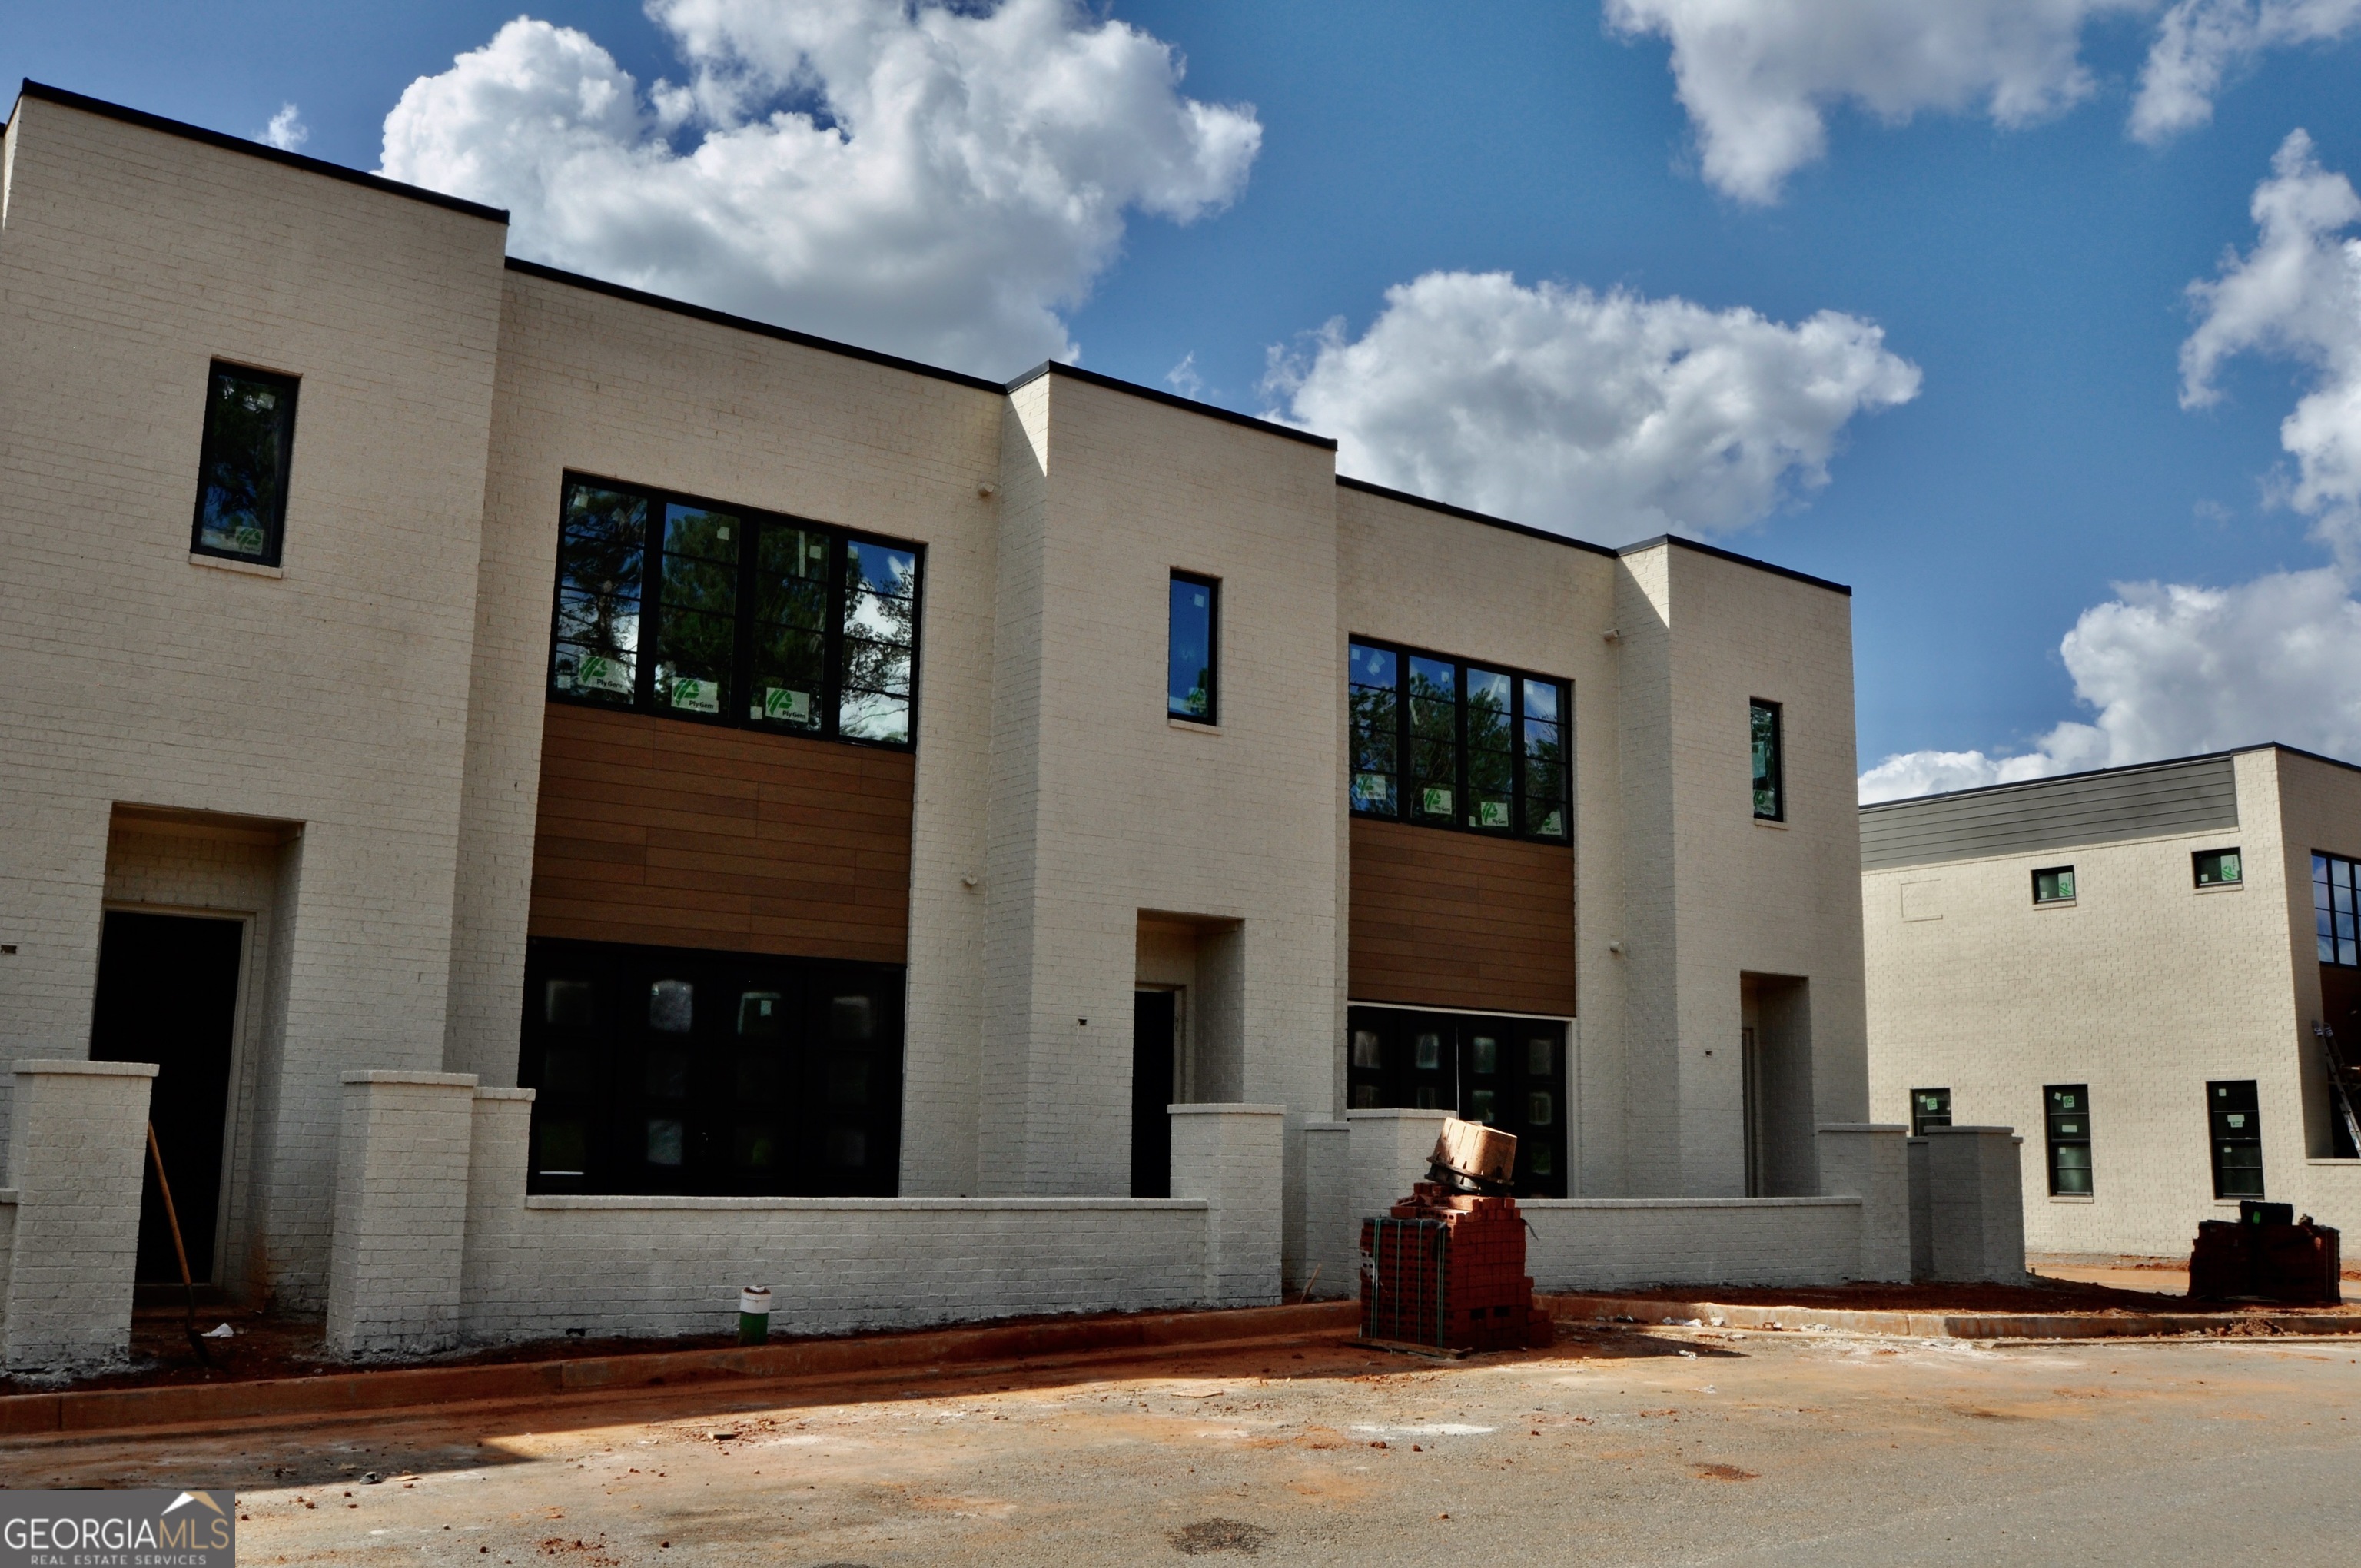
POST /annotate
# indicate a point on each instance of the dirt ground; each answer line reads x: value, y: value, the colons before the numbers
x: 1619, y: 1445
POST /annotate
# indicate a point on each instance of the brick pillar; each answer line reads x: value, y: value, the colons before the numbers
x: 1867, y: 1160
x: 500, y: 1149
x: 402, y: 1151
x: 1233, y: 1156
x: 77, y: 1152
x: 1390, y: 1151
x: 1976, y: 1204
x: 1328, y: 1222
x: 1922, y: 1212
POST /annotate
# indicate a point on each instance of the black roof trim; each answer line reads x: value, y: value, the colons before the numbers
x: 29, y: 88
x: 2159, y: 764
x: 1734, y: 557
x: 1347, y: 482
x: 1173, y: 399
x: 745, y: 324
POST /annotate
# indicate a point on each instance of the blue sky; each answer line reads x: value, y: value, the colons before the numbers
x: 2035, y: 275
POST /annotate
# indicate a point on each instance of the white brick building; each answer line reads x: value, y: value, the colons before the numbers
x: 825, y: 780
x: 2128, y: 965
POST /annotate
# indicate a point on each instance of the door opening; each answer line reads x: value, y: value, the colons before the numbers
x: 1749, y: 1059
x: 168, y: 994
x: 1153, y: 1020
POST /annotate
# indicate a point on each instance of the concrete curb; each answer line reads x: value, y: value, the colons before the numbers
x: 1573, y: 1308
x: 342, y: 1393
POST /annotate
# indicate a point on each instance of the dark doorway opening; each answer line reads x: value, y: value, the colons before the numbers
x: 168, y: 994
x: 1153, y: 1021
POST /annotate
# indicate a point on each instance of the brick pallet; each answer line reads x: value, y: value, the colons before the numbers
x: 1447, y: 1271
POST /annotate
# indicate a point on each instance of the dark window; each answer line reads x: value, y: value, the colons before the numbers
x: 1511, y: 1073
x: 766, y: 623
x: 1193, y: 653
x: 2069, y: 1109
x: 1929, y: 1108
x: 2333, y: 880
x: 1453, y: 745
x: 2054, y: 885
x: 661, y: 1070
x: 2237, y: 1128
x: 250, y: 442
x: 1770, y: 785
x: 2216, y: 868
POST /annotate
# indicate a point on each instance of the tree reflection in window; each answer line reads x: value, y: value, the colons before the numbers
x: 249, y: 438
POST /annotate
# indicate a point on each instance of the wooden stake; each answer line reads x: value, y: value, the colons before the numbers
x: 172, y: 1219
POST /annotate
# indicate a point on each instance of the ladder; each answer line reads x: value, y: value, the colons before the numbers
x: 2345, y: 1078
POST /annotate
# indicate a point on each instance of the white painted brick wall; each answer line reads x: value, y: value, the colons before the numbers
x: 74, y: 1163
x: 1232, y: 1157
x: 1867, y: 1160
x: 1603, y: 1243
x: 1975, y: 1206
x: 403, y: 1155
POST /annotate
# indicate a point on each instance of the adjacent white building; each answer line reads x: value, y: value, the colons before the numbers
x: 2134, y: 966
x: 652, y: 798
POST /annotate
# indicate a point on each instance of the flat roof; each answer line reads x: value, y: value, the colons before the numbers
x: 28, y: 88
x: 2124, y: 768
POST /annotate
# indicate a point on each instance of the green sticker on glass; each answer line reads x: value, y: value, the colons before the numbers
x: 601, y: 674
x: 780, y: 704
x: 698, y: 697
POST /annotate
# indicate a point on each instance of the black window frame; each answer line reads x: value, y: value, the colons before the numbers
x: 2226, y: 1099
x: 1522, y: 799
x: 1924, y: 1115
x: 2072, y: 888
x: 1778, y: 774
x: 2198, y: 857
x: 732, y: 707
x: 2337, y: 941
x: 1211, y: 717
x: 275, y: 530
x: 1485, y: 1067
x: 2068, y: 1127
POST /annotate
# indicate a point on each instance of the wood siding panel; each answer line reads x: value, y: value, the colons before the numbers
x: 2051, y: 813
x: 682, y: 835
x: 1443, y: 920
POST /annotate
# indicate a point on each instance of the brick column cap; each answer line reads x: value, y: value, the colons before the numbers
x: 482, y: 1093
x: 428, y: 1079
x: 1865, y: 1127
x: 1397, y: 1113
x: 1930, y: 1132
x: 91, y: 1069
x: 1224, y: 1109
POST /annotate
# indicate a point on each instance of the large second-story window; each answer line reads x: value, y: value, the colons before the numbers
x: 673, y: 606
x: 1449, y: 744
x: 249, y: 443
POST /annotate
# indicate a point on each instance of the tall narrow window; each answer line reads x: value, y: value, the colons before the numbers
x: 2333, y: 880
x: 788, y: 674
x: 1544, y: 760
x: 880, y: 630
x: 250, y: 442
x: 1190, y: 661
x: 2069, y: 1114
x: 1491, y: 751
x: 1375, y: 697
x: 2235, y: 1116
x: 602, y: 545
x: 696, y: 628
x: 1770, y: 788
x: 1929, y: 1108
x: 1433, y: 739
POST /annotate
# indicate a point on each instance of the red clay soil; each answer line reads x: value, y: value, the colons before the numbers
x: 2042, y: 1296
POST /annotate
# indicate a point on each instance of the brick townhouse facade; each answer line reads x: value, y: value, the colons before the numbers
x: 735, y: 768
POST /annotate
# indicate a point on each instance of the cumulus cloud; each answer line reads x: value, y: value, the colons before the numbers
x: 2199, y: 42
x: 1608, y: 415
x: 933, y: 179
x: 1758, y: 78
x: 2171, y: 669
x: 286, y: 130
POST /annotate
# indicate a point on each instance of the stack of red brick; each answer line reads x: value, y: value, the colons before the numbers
x: 1448, y: 1270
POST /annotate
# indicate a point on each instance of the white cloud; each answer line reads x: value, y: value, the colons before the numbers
x: 2171, y: 669
x: 1758, y: 78
x: 1184, y: 380
x: 1608, y: 415
x: 2201, y: 41
x: 286, y: 130
x: 935, y: 179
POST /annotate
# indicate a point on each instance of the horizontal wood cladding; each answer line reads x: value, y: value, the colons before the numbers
x: 1443, y: 920
x: 680, y: 835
